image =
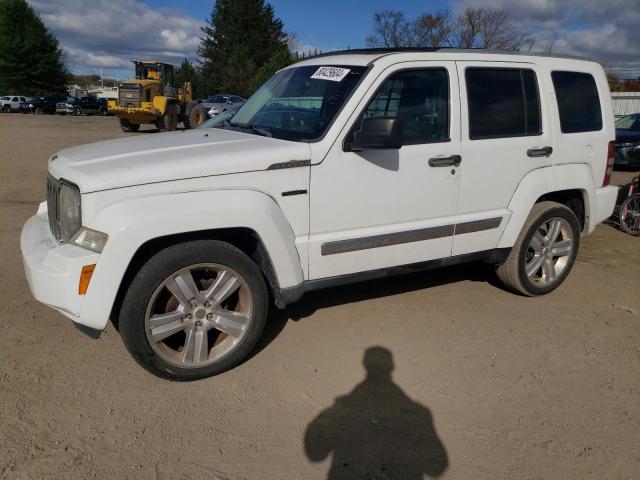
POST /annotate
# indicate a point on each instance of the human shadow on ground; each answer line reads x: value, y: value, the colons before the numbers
x: 376, y: 431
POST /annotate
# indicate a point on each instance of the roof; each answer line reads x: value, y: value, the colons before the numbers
x: 378, y: 52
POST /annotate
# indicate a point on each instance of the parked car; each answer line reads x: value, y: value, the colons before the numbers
x: 219, y: 103
x: 628, y: 141
x: 40, y: 105
x: 221, y: 119
x: 400, y: 161
x: 11, y: 103
x: 82, y: 105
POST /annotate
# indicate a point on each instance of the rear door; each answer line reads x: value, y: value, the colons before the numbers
x: 505, y: 135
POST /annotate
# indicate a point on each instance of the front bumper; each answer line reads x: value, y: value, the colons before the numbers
x: 64, y: 109
x: 53, y: 270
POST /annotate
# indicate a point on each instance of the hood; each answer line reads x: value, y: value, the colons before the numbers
x: 627, y: 136
x: 151, y: 158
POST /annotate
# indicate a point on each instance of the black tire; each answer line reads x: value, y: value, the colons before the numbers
x: 197, y: 116
x: 160, y: 267
x: 38, y: 111
x: 168, y: 122
x: 6, y: 109
x: 127, y: 126
x: 628, y: 216
x: 187, y: 110
x: 512, y: 272
x: 77, y: 112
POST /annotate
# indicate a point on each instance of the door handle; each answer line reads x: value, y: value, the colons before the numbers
x: 540, y: 152
x: 450, y: 161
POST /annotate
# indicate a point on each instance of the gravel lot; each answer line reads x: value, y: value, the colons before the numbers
x: 486, y: 385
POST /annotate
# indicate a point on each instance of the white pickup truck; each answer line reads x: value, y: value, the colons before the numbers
x: 343, y: 167
x: 11, y: 103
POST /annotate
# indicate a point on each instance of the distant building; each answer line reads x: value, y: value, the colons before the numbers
x: 625, y: 103
x: 104, y: 92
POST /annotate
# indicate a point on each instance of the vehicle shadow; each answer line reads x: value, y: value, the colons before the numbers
x: 376, y: 430
x: 357, y: 292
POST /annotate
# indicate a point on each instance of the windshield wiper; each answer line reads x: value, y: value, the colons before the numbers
x: 254, y: 128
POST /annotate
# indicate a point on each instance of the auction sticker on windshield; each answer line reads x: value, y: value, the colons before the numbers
x: 335, y: 74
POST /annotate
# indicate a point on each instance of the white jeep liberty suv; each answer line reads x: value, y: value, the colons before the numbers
x: 343, y: 167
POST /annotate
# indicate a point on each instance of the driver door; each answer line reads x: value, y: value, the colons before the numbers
x: 381, y: 208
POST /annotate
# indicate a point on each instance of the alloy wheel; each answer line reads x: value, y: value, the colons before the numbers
x: 549, y: 251
x: 198, y: 315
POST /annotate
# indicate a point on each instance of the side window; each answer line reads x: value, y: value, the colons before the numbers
x: 503, y: 102
x: 578, y: 102
x: 420, y: 98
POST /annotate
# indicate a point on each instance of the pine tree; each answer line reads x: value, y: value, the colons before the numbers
x: 30, y: 56
x: 240, y: 39
x: 187, y: 72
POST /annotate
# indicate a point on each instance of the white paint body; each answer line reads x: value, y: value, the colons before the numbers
x: 142, y: 188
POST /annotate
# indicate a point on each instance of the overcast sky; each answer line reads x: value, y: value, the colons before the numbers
x: 111, y: 33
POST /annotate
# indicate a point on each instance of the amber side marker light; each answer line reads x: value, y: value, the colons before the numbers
x: 85, y: 278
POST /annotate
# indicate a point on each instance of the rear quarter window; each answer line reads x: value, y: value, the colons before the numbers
x: 578, y: 102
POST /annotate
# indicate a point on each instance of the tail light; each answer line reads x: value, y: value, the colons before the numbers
x: 611, y: 155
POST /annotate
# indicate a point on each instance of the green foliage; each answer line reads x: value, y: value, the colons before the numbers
x: 243, y: 44
x: 187, y: 72
x: 30, y: 56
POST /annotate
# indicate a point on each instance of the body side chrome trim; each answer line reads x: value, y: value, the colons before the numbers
x: 396, y: 238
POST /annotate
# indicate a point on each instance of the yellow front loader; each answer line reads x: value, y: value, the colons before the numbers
x: 152, y: 98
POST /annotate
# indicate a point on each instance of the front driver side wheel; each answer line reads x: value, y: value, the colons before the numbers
x: 194, y: 310
x: 544, y: 252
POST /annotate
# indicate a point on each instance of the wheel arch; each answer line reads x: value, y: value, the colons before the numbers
x: 571, y: 185
x: 250, y: 220
x: 245, y: 239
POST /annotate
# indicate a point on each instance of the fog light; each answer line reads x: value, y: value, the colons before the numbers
x: 85, y: 278
x: 90, y: 239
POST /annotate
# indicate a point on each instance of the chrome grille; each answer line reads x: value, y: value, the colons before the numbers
x: 129, y: 95
x: 53, y: 191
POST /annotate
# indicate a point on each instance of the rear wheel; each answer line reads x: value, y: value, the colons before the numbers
x: 544, y: 252
x: 194, y: 310
x: 197, y: 116
x: 127, y: 126
x: 629, y: 216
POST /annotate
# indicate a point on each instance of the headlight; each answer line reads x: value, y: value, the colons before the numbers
x: 31, y: 105
x: 69, y: 210
x: 636, y: 147
x: 90, y: 239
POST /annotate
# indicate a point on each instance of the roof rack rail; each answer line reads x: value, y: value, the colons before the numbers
x: 386, y: 51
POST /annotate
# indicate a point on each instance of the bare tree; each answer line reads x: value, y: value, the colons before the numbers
x: 432, y: 30
x: 390, y: 30
x: 485, y: 28
x: 472, y: 28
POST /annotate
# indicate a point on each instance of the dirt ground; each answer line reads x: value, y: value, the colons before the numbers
x: 486, y: 384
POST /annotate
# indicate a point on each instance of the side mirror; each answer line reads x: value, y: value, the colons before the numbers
x: 377, y: 132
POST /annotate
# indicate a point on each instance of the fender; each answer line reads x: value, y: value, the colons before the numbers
x: 134, y: 222
x: 160, y: 103
x: 546, y: 180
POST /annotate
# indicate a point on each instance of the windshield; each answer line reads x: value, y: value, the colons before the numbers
x: 299, y: 103
x: 217, y: 99
x: 630, y: 122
